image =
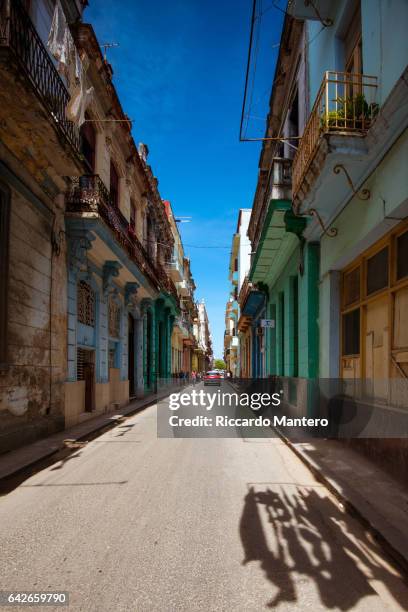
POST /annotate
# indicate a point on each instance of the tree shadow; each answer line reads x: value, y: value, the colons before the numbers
x: 310, y: 538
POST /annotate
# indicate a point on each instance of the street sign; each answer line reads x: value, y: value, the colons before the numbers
x: 268, y: 323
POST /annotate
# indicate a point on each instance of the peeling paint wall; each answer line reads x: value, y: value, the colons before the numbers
x: 31, y: 389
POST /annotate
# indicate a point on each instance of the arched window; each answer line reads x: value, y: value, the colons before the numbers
x: 86, y: 304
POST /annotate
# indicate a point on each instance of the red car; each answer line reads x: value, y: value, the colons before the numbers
x: 212, y: 378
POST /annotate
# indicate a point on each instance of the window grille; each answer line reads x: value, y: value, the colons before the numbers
x: 114, y: 319
x: 81, y: 358
x: 86, y: 304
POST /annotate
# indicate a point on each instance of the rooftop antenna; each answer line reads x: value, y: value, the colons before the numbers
x: 107, y: 46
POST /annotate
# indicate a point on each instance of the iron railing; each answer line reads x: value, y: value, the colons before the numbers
x: 19, y: 36
x: 345, y: 104
x: 89, y: 194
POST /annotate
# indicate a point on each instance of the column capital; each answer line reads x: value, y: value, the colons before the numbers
x: 79, y: 243
x: 110, y: 271
x: 130, y: 294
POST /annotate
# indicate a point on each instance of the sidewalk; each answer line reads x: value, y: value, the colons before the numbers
x: 18, y: 461
x: 364, y: 489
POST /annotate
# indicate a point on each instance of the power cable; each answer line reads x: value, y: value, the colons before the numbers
x: 258, y: 36
x: 251, y: 34
x: 325, y: 24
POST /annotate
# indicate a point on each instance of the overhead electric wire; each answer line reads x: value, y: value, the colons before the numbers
x: 325, y: 24
x: 258, y: 32
x: 248, y: 66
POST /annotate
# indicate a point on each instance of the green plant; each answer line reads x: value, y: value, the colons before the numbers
x: 352, y: 112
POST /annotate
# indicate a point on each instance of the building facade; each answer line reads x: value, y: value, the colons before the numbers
x: 39, y: 148
x: 88, y: 303
x: 329, y: 226
x: 203, y: 353
x: 183, y: 341
x: 238, y: 269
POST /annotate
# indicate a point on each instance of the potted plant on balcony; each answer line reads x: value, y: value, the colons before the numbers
x: 353, y: 113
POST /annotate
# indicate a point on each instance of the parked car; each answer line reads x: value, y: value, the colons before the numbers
x: 213, y: 377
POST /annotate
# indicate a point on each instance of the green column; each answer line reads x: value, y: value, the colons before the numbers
x: 312, y: 270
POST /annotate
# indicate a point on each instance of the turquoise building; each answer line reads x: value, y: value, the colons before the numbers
x: 329, y: 227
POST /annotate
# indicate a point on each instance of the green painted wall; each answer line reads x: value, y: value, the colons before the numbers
x: 360, y: 225
x: 304, y: 332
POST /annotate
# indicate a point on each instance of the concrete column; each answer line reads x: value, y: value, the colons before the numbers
x: 103, y: 340
x: 139, y: 370
x: 329, y: 325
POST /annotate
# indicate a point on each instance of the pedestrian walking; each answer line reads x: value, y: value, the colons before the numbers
x: 194, y: 376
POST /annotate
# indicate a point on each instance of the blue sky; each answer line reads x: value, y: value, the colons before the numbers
x: 179, y: 72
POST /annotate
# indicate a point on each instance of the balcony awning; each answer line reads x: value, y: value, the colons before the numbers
x: 275, y: 244
x: 254, y: 300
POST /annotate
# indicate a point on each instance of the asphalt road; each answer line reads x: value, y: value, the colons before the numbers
x: 133, y: 522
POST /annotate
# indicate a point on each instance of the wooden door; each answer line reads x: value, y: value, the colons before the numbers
x: 399, y: 349
x: 89, y: 377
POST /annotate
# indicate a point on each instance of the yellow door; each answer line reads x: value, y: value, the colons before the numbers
x: 399, y: 353
x: 377, y: 347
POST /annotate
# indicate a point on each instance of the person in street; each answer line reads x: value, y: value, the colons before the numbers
x: 194, y: 376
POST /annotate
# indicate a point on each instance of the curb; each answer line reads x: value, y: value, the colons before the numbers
x: 348, y: 505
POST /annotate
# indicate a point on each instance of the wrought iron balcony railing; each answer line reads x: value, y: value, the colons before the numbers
x: 19, y: 36
x: 89, y: 194
x: 345, y: 104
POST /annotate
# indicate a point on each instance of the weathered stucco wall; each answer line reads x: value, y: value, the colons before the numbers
x: 32, y: 389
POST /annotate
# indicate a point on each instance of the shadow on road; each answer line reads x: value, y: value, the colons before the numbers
x: 299, y: 536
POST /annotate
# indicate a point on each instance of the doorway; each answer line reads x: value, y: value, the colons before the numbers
x: 86, y: 372
x: 131, y: 355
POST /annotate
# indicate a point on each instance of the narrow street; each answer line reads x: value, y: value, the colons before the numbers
x: 133, y: 522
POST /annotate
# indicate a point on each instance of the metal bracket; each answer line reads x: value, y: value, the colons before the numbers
x: 330, y: 232
x: 364, y: 194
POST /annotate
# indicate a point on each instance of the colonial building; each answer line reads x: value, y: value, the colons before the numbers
x: 87, y: 303
x: 39, y: 148
x: 328, y: 226
x: 121, y: 300
x: 183, y: 340
x: 203, y: 354
x: 238, y: 269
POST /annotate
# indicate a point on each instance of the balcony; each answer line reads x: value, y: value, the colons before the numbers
x: 184, y: 325
x: 281, y: 179
x: 175, y: 269
x: 343, y: 112
x: 89, y: 197
x: 279, y: 187
x: 184, y: 288
x: 38, y: 86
